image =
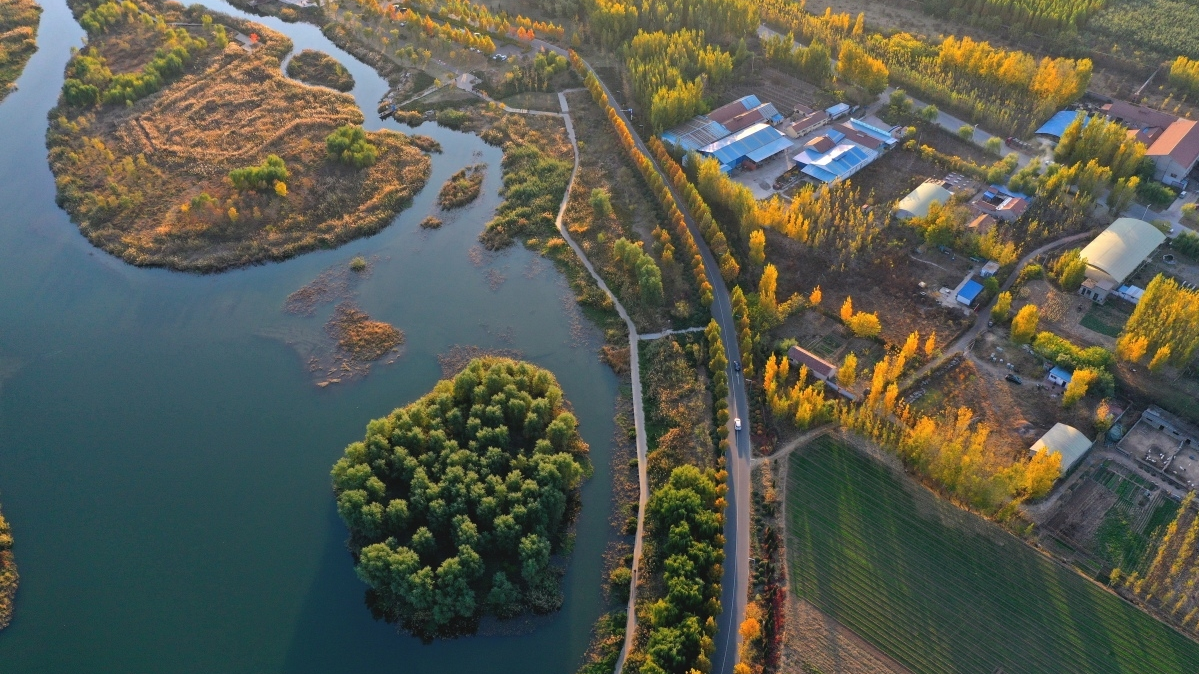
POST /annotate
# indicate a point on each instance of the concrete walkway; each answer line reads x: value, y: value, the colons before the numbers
x: 660, y: 335
x: 635, y: 374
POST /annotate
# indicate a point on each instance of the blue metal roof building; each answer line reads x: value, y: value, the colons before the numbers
x: 695, y: 133
x: 1057, y: 124
x: 970, y: 292
x: 838, y: 163
x: 759, y: 140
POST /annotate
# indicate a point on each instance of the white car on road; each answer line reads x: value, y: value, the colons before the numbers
x: 737, y: 423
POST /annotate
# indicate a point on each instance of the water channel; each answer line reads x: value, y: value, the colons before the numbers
x: 164, y: 453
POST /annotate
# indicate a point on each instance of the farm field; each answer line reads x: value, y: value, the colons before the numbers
x: 941, y: 590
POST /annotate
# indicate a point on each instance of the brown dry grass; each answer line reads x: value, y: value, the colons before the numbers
x: 462, y: 188
x: 18, y: 39
x: 124, y: 172
x: 360, y: 338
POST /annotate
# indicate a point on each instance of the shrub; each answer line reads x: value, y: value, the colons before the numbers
x: 1155, y: 193
x: 358, y: 264
x: 348, y: 145
x: 262, y: 177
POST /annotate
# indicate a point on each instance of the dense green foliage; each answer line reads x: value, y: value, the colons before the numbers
x: 533, y: 187
x: 18, y: 39
x: 1061, y: 351
x: 641, y: 266
x: 1105, y: 141
x: 348, y: 145
x: 614, y: 22
x: 812, y: 63
x: 686, y: 521
x: 535, y: 76
x: 1043, y: 17
x: 943, y: 591
x: 1163, y: 26
x: 89, y: 79
x: 669, y: 72
x: 262, y: 177
x: 456, y: 502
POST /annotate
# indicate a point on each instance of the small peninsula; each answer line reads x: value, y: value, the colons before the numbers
x: 318, y: 68
x: 456, y: 502
x: 186, y: 147
x: 8, y: 574
x: 18, y: 39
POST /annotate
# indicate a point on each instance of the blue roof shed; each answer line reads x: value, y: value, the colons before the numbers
x: 734, y: 149
x: 1057, y: 124
x: 970, y: 292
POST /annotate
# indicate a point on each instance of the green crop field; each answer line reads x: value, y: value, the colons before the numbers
x: 943, y: 591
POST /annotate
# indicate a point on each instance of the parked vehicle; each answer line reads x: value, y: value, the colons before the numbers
x: 737, y: 423
x: 1015, y: 379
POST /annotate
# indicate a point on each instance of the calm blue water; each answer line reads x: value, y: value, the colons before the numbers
x: 164, y: 454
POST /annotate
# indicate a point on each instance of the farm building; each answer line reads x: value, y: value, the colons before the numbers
x: 703, y: 130
x: 807, y: 124
x: 1059, y: 377
x: 1065, y: 440
x: 1175, y: 152
x: 1056, y: 126
x: 1115, y: 254
x: 989, y: 269
x: 981, y: 225
x: 970, y: 292
x: 817, y: 366
x: 918, y: 201
x: 1173, y: 143
x: 1000, y: 203
x: 843, y: 150
x: 755, y: 144
x: 744, y: 113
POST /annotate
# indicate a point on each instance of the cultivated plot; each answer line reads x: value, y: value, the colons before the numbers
x: 941, y: 590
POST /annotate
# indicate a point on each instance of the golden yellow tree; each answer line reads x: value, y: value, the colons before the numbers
x: 1024, y: 325
x: 1041, y: 472
x: 1080, y: 382
x: 816, y: 296
x: 751, y: 629
x: 757, y: 247
x: 847, y: 310
x: 910, y: 346
x: 767, y: 289
x: 1160, y: 358
x: 848, y: 372
x: 930, y: 345
x: 1131, y: 348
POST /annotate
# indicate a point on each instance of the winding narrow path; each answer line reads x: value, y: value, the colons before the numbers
x: 963, y: 342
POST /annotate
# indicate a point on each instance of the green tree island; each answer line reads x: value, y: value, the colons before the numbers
x: 456, y: 502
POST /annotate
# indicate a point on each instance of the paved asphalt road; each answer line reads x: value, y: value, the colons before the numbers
x: 735, y: 585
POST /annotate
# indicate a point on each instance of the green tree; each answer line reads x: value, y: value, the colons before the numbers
x: 348, y: 145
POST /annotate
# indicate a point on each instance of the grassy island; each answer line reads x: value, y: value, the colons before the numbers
x: 456, y: 502
x: 183, y: 148
x: 8, y: 574
x: 18, y: 39
x: 462, y: 188
x: 318, y: 68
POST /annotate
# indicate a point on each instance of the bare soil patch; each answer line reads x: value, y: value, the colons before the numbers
x: 148, y: 182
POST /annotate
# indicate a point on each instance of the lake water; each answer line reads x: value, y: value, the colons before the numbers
x: 164, y: 454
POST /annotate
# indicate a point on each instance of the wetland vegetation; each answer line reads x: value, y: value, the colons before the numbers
x: 315, y: 67
x: 457, y: 502
x: 18, y: 39
x: 157, y: 124
x: 8, y: 574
